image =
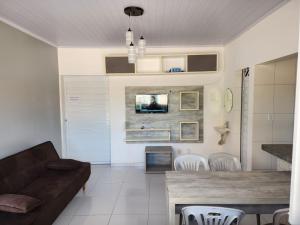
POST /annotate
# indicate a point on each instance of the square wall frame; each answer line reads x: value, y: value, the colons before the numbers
x: 189, y: 100
x: 189, y: 131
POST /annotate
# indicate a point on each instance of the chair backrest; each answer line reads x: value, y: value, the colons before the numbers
x: 206, y: 215
x: 224, y: 162
x: 191, y: 162
x: 281, y: 217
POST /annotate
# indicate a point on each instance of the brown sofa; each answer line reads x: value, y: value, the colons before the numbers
x: 26, y: 173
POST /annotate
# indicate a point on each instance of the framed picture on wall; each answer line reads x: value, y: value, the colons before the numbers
x: 189, y: 100
x: 189, y: 131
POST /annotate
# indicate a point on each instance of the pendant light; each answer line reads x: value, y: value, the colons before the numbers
x: 129, y: 33
x: 141, y: 46
x: 129, y: 37
x: 132, y: 51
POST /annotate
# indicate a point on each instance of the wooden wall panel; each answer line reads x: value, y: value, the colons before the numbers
x: 170, y: 120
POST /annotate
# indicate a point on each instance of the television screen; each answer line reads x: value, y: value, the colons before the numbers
x: 151, y: 103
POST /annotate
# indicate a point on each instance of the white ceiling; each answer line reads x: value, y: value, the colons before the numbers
x: 102, y: 23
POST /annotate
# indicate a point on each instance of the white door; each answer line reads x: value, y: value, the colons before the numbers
x: 87, y: 127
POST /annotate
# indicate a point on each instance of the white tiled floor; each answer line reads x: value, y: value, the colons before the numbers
x: 122, y: 196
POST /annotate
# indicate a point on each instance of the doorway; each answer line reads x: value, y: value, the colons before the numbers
x: 86, y: 118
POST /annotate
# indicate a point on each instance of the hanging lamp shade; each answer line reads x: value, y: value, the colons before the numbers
x: 141, y: 46
x: 134, y: 11
x: 131, y: 53
x: 129, y: 37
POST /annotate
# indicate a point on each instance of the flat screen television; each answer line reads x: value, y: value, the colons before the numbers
x: 151, y: 103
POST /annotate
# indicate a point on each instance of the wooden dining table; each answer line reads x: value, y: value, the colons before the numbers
x: 257, y: 192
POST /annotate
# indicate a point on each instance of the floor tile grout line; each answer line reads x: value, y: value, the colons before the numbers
x: 149, y: 196
x: 115, y: 203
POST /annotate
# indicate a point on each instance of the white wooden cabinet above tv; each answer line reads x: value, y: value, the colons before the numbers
x: 194, y: 63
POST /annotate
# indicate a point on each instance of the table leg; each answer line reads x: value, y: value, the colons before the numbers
x: 258, y: 219
x: 180, y: 218
x: 171, y: 213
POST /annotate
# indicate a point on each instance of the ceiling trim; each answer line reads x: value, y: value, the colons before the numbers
x: 148, y: 46
x: 16, y: 26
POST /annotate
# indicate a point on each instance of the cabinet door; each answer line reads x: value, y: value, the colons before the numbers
x: 202, y: 63
x: 118, y: 65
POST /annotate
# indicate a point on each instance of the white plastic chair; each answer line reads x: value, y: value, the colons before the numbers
x: 224, y: 162
x: 206, y: 215
x: 280, y: 217
x: 191, y: 162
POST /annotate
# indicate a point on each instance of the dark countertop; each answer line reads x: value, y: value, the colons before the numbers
x: 282, y: 151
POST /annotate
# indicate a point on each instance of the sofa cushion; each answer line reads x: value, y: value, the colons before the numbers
x: 47, y: 187
x: 18, y: 203
x: 52, y: 183
x: 19, y: 170
x: 63, y: 164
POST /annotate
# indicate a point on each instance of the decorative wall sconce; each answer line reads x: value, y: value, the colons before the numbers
x: 223, y: 131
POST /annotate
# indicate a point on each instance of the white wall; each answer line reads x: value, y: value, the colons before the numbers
x: 273, y: 37
x: 29, y: 92
x: 90, y: 61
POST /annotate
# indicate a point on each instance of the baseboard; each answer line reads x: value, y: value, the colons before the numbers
x: 141, y: 164
x: 128, y: 164
x: 100, y: 163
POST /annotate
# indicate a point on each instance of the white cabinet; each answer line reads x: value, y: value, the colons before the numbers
x: 182, y: 63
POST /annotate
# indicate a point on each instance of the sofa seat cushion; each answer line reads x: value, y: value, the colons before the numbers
x: 48, y: 186
x: 52, y: 183
x: 18, y: 203
x: 63, y: 164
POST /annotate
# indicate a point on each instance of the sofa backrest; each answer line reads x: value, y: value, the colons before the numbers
x: 19, y: 170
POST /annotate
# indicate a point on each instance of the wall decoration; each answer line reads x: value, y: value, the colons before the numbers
x: 189, y: 100
x: 189, y: 131
x: 223, y: 131
x: 228, y: 100
x: 162, y: 127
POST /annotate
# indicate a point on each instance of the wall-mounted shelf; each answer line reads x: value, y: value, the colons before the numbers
x: 148, y: 64
x: 169, y: 62
x: 148, y: 129
x: 194, y: 63
x: 148, y: 135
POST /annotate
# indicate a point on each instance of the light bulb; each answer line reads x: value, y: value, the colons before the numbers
x: 129, y: 36
x: 131, y: 53
x: 141, y: 46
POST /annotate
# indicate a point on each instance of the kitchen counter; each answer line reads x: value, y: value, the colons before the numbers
x: 282, y: 151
